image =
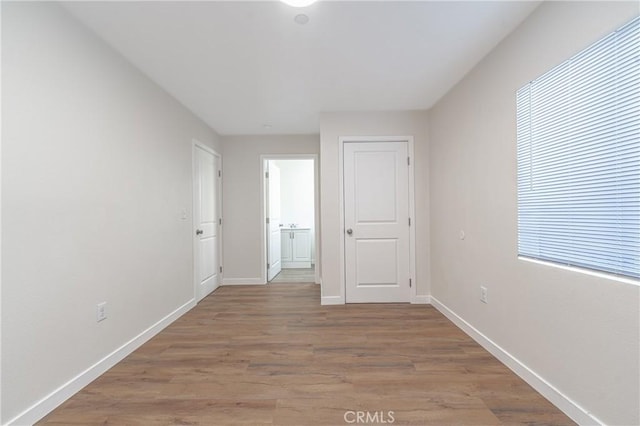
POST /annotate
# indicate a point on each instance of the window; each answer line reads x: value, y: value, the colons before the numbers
x: 578, y: 133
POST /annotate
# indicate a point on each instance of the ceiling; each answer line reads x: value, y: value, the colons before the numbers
x: 249, y: 68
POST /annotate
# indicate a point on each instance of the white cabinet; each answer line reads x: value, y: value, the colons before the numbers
x: 286, y: 247
x: 301, y: 247
x: 296, y: 248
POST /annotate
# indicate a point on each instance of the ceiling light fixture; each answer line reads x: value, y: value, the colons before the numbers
x: 301, y: 19
x: 298, y: 3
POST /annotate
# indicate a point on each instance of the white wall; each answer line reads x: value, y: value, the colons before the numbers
x: 96, y: 167
x: 297, y: 196
x: 242, y: 191
x: 399, y: 123
x: 578, y: 332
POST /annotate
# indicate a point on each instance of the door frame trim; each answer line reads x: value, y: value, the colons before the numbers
x: 413, y: 298
x: 195, y: 144
x: 263, y: 208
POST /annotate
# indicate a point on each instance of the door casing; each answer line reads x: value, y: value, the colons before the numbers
x: 412, y: 230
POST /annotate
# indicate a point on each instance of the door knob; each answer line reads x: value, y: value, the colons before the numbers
x: 349, y: 231
x: 199, y: 232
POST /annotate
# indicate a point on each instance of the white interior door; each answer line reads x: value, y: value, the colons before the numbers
x: 207, y: 221
x: 274, y: 239
x: 376, y: 218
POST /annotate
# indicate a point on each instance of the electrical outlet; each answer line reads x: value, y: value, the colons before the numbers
x: 101, y: 311
x: 483, y: 294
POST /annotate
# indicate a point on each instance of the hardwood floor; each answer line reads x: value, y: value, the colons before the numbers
x: 272, y: 355
x: 302, y: 275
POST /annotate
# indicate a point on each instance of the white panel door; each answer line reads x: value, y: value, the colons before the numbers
x: 274, y: 262
x: 206, y: 220
x: 376, y: 218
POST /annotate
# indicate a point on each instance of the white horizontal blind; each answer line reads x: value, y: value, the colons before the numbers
x: 578, y: 132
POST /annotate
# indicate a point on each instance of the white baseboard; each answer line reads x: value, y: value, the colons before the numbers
x: 421, y: 299
x: 47, y: 404
x: 332, y: 300
x: 242, y: 281
x: 546, y: 389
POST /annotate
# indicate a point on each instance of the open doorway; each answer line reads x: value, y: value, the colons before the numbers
x: 290, y: 224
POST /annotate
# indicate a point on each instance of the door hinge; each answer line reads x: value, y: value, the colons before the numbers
x: 221, y: 269
x: 268, y: 266
x: 219, y: 173
x: 409, y: 221
x: 409, y: 282
x: 220, y: 221
x: 267, y: 220
x: 408, y: 161
x: 266, y: 175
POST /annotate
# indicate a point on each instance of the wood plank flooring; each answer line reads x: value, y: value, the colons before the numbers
x: 271, y: 355
x: 295, y: 275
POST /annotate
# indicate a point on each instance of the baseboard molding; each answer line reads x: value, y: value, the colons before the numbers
x: 546, y: 389
x: 242, y: 281
x: 332, y: 300
x: 421, y: 299
x: 47, y: 404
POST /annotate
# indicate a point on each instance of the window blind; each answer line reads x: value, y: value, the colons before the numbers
x: 578, y: 143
